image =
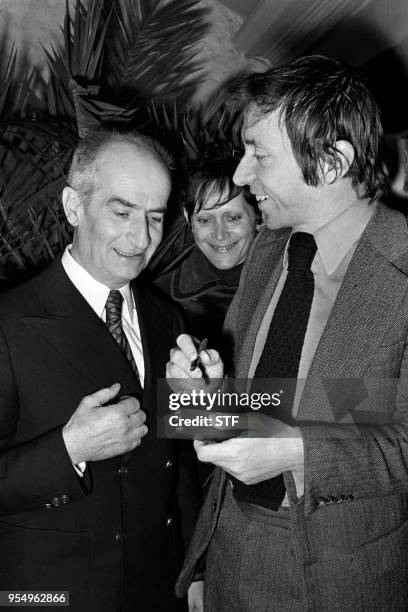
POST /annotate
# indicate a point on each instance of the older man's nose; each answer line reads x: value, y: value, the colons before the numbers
x: 244, y: 173
x: 139, y: 236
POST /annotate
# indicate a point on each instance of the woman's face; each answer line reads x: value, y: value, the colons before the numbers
x: 224, y: 234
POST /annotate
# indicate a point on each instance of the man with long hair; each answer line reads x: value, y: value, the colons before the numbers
x: 310, y: 511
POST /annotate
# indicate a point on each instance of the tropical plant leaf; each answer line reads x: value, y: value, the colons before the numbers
x: 59, y: 97
x: 84, y: 41
x: 153, y: 51
x: 78, y: 62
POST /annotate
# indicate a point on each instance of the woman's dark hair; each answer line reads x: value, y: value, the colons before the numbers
x: 212, y: 175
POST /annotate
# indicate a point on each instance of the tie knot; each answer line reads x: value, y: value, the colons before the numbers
x: 302, y: 249
x: 114, y: 305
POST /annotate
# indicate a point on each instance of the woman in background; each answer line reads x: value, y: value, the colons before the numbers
x: 223, y: 219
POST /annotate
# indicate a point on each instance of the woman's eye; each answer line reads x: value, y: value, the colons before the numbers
x: 203, y: 220
x: 234, y: 218
x: 118, y: 213
x: 260, y: 157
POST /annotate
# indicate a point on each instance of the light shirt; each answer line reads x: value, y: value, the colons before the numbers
x: 336, y: 243
x: 96, y: 294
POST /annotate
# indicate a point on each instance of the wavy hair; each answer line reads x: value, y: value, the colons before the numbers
x: 322, y: 100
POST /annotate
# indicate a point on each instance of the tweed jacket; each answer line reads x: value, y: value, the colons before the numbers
x: 355, y: 503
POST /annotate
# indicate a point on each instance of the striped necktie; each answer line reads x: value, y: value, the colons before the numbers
x: 114, y: 325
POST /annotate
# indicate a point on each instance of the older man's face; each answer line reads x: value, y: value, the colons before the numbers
x: 121, y: 226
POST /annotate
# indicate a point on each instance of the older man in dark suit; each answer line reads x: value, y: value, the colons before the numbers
x: 87, y: 492
x: 313, y: 516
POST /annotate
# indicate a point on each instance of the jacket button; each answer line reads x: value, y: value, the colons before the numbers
x: 122, y: 471
x: 118, y: 537
x: 64, y: 499
x: 168, y: 465
x: 169, y: 522
x: 214, y: 505
x: 48, y: 506
x: 56, y: 502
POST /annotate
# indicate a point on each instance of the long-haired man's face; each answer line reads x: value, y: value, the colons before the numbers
x: 270, y: 169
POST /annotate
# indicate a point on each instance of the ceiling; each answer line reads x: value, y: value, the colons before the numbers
x: 370, y: 34
x: 356, y: 30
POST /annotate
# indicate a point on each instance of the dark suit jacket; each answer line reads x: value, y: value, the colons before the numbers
x: 355, y: 504
x: 112, y: 539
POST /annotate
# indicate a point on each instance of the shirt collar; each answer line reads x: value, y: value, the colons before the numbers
x: 93, y: 291
x: 336, y: 238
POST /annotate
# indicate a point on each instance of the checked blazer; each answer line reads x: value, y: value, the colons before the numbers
x: 352, y: 534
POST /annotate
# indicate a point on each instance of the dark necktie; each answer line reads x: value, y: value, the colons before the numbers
x: 114, y: 325
x: 282, y: 351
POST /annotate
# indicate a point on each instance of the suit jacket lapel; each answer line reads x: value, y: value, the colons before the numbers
x: 74, y: 331
x: 370, y: 296
x: 155, y: 328
x: 262, y: 279
x: 145, y: 326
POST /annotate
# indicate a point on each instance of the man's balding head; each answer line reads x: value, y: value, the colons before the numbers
x: 87, y: 156
x: 116, y: 200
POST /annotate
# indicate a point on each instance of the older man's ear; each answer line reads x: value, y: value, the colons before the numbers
x: 72, y: 205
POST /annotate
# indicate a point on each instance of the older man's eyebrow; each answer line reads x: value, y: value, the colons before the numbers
x: 123, y: 202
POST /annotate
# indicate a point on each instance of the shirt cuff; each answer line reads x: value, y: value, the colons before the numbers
x: 80, y: 468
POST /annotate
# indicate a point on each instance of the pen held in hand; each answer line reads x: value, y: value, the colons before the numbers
x: 201, y: 347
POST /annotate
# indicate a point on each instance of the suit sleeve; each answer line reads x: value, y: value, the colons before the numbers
x: 36, y: 472
x: 361, y: 460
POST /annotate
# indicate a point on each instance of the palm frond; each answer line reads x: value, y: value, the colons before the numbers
x: 153, y: 52
x: 84, y: 38
x: 77, y: 63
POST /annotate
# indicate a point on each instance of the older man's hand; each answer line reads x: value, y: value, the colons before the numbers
x: 97, y: 431
x: 182, y: 379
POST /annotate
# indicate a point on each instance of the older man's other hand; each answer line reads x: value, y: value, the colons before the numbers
x: 96, y: 431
